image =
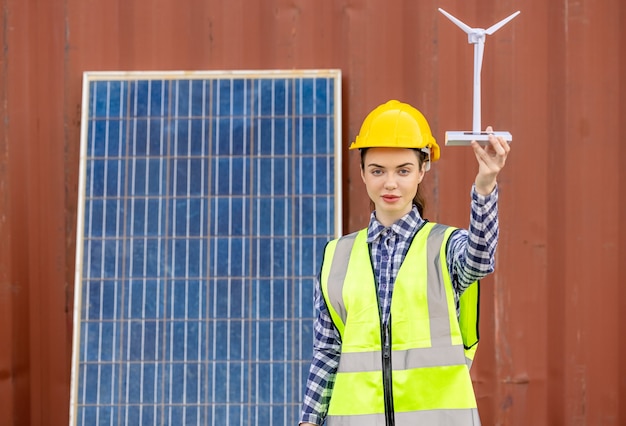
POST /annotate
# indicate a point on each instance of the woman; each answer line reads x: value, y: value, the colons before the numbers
x: 403, y: 363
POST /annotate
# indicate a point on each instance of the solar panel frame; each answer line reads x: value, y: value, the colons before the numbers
x: 137, y: 278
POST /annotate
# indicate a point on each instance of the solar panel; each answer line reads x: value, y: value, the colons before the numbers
x: 206, y: 199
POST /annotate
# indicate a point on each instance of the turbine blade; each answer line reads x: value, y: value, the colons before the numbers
x: 460, y: 24
x: 492, y: 29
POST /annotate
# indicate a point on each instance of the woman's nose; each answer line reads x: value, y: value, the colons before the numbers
x: 390, y: 183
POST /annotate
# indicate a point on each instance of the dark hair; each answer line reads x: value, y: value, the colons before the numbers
x: 418, y: 199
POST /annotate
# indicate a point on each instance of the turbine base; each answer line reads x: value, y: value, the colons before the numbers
x: 458, y: 138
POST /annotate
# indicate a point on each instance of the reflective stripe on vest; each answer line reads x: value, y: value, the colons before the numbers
x: 427, y: 346
x: 427, y: 418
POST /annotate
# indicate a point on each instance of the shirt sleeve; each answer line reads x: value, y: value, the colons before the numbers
x: 471, y: 252
x: 326, y: 352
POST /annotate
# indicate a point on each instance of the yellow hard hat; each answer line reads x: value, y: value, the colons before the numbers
x: 396, y: 125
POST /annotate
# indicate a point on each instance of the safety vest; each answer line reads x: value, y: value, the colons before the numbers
x: 416, y: 371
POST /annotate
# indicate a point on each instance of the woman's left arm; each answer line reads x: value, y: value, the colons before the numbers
x: 471, y: 252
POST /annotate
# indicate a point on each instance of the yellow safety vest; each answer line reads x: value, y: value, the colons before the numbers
x: 426, y: 365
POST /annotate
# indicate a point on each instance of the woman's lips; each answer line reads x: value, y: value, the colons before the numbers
x: 390, y: 198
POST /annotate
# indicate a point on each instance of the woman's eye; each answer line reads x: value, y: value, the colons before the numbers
x: 377, y: 172
x: 404, y: 172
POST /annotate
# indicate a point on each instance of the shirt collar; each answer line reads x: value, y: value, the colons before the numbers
x: 404, y: 227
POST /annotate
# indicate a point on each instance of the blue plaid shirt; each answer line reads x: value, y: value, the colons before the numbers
x: 470, y: 257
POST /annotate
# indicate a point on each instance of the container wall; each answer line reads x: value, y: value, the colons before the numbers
x: 553, y: 77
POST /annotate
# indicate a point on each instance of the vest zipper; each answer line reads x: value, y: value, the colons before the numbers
x: 387, y: 380
x: 385, y: 338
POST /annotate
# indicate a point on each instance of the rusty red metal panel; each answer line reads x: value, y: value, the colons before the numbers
x: 6, y: 289
x: 18, y: 352
x: 37, y: 129
x: 621, y: 226
x: 591, y: 314
x: 581, y: 278
x: 33, y: 128
x: 554, y: 77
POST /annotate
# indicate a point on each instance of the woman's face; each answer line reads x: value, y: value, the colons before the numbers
x: 391, y: 177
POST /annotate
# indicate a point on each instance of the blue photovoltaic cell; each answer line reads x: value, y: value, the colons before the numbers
x: 206, y: 201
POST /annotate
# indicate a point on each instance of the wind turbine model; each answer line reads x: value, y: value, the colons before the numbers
x: 476, y: 36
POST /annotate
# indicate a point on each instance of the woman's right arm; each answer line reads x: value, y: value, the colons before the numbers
x: 326, y: 352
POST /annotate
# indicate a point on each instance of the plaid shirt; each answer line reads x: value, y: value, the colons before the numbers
x: 470, y: 257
